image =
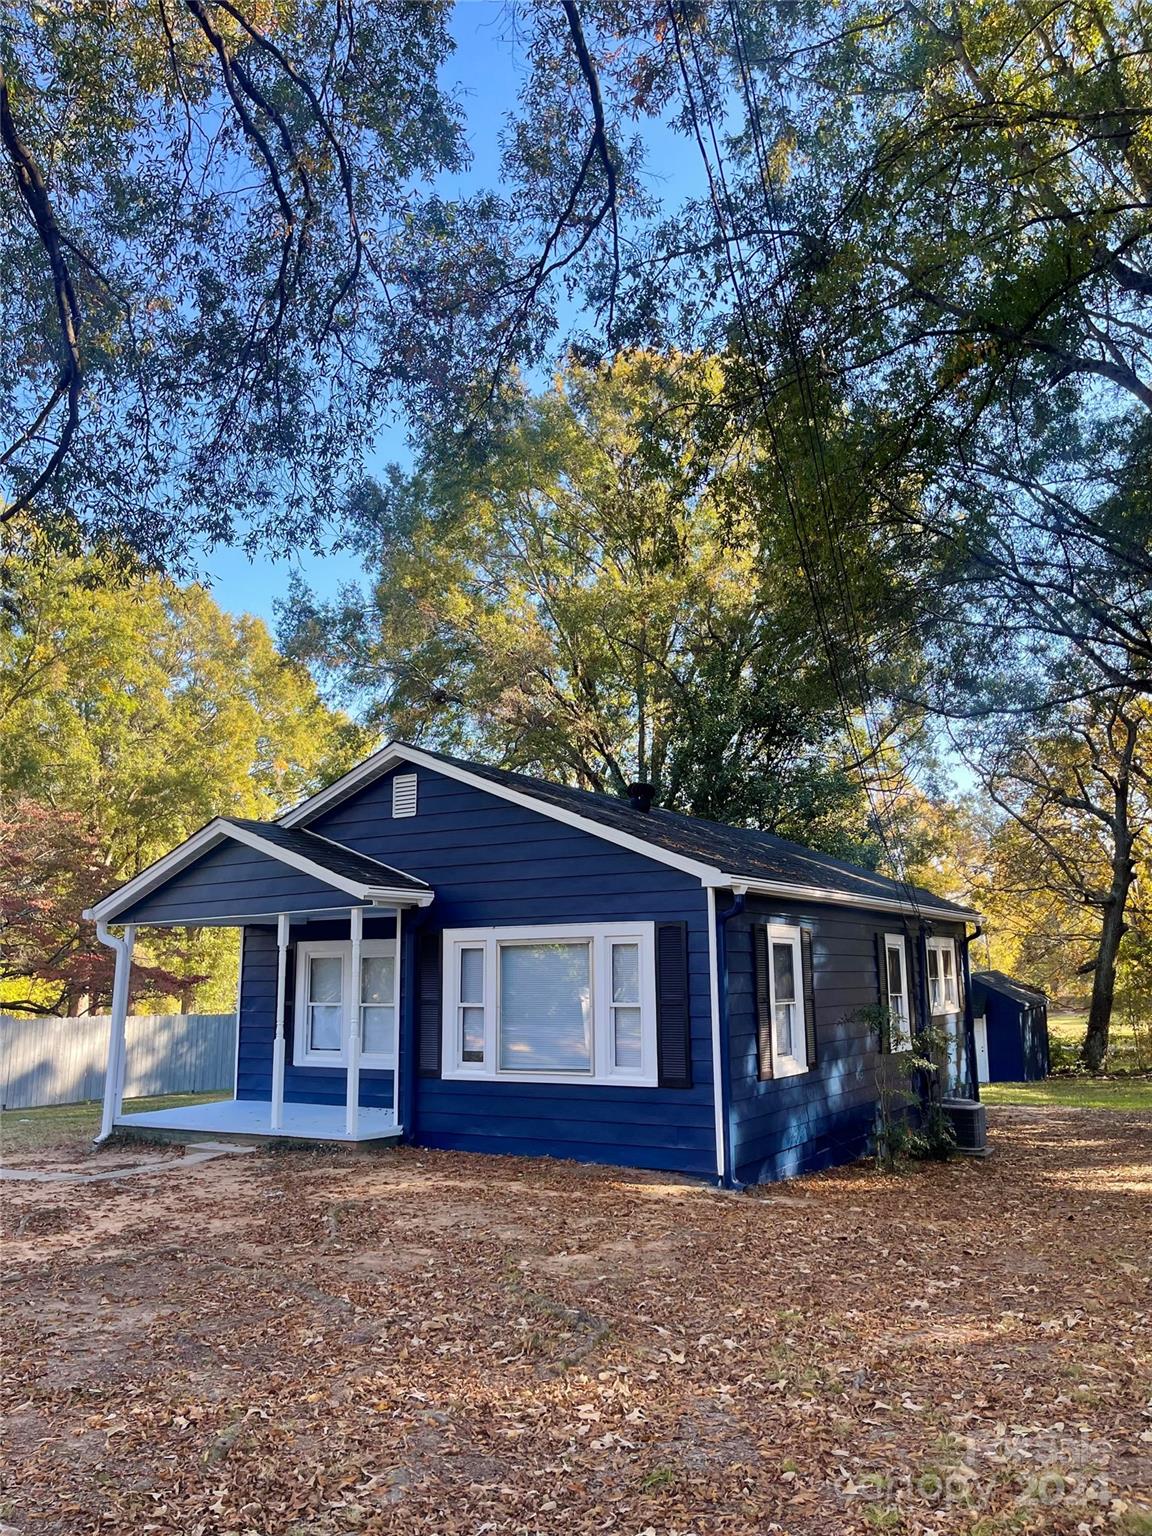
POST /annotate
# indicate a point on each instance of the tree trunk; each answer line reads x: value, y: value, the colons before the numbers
x: 1104, y: 985
x: 1113, y: 927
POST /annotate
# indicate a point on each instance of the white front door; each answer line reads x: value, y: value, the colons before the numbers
x: 980, y: 1028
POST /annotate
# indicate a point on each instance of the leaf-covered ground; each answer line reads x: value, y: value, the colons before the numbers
x: 418, y: 1342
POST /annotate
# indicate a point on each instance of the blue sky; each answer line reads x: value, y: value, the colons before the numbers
x: 487, y: 72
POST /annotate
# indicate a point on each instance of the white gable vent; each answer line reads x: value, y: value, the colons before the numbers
x: 404, y: 794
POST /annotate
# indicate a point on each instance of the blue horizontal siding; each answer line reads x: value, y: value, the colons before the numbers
x: 233, y: 880
x: 826, y: 1116
x: 493, y: 863
x: 302, y: 1085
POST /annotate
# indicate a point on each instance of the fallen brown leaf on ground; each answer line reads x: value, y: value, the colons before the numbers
x: 326, y: 1343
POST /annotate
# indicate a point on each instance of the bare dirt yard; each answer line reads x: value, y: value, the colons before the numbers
x: 331, y: 1344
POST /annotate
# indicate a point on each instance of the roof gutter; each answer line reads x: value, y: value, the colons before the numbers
x: 761, y: 887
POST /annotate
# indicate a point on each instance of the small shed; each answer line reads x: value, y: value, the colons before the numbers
x: 1010, y: 1021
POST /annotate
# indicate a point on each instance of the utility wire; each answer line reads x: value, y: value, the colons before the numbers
x: 737, y: 271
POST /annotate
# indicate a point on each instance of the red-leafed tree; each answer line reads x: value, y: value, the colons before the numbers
x: 52, y: 866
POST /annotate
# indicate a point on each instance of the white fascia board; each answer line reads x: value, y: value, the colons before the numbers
x: 382, y: 897
x: 758, y: 886
x: 210, y: 837
x: 391, y: 868
x: 171, y: 864
x: 361, y: 889
x: 372, y: 767
x: 380, y: 761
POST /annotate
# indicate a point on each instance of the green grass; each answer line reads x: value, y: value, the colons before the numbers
x: 1074, y: 1093
x: 1126, y: 1052
x: 33, y: 1130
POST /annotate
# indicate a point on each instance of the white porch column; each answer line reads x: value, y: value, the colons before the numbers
x: 282, y: 927
x: 396, y: 1014
x: 352, y: 1111
x: 114, y: 1071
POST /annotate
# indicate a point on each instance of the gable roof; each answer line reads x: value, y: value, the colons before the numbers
x: 719, y: 855
x: 331, y: 863
x: 1019, y: 991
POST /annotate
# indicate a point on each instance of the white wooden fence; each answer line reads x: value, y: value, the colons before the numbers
x: 61, y: 1061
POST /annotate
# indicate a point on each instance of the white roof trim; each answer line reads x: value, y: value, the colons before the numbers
x: 398, y: 752
x: 387, y: 756
x: 758, y: 886
x: 215, y: 833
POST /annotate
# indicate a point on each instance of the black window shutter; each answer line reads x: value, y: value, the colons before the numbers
x: 809, y: 995
x: 428, y: 1005
x: 289, y: 1003
x: 760, y: 963
x: 673, y: 1016
x: 882, y: 972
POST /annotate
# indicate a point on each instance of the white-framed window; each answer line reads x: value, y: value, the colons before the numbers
x: 323, y: 985
x: 899, y: 998
x: 568, y: 1004
x: 786, y: 1000
x: 943, y: 987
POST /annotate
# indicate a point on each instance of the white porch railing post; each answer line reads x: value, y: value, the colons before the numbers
x: 114, y: 1071
x: 352, y: 1112
x: 282, y: 927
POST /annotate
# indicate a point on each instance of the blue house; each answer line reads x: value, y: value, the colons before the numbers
x: 459, y: 956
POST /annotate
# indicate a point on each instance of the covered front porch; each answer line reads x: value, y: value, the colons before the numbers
x: 319, y: 1006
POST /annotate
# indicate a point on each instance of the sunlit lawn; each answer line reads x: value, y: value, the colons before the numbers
x: 1066, y: 1035
x: 29, y: 1130
x: 1074, y: 1093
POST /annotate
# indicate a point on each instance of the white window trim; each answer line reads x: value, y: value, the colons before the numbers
x: 951, y: 1004
x: 899, y: 1030
x: 302, y: 1056
x: 599, y: 936
x: 795, y: 1064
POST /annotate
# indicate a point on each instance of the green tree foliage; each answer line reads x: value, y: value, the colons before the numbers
x: 927, y: 234
x: 1075, y: 840
x: 228, y: 254
x: 135, y: 714
x: 598, y: 600
x: 207, y: 225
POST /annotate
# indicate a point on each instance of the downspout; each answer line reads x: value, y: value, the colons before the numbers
x: 969, y: 1020
x: 722, y: 1089
x: 115, y: 1066
x: 924, y: 1009
x: 923, y: 1079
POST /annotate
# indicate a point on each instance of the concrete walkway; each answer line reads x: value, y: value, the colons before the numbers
x: 203, y: 1152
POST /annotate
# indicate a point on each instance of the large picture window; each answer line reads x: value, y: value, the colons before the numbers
x: 323, y: 987
x: 571, y: 1004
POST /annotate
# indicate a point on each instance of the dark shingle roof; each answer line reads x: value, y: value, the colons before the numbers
x: 997, y: 981
x: 757, y: 856
x: 332, y: 856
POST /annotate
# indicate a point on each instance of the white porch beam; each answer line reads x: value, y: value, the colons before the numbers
x: 352, y: 1110
x: 283, y: 924
x: 114, y: 1071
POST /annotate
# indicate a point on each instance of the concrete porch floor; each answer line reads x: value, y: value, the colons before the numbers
x: 252, y: 1119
